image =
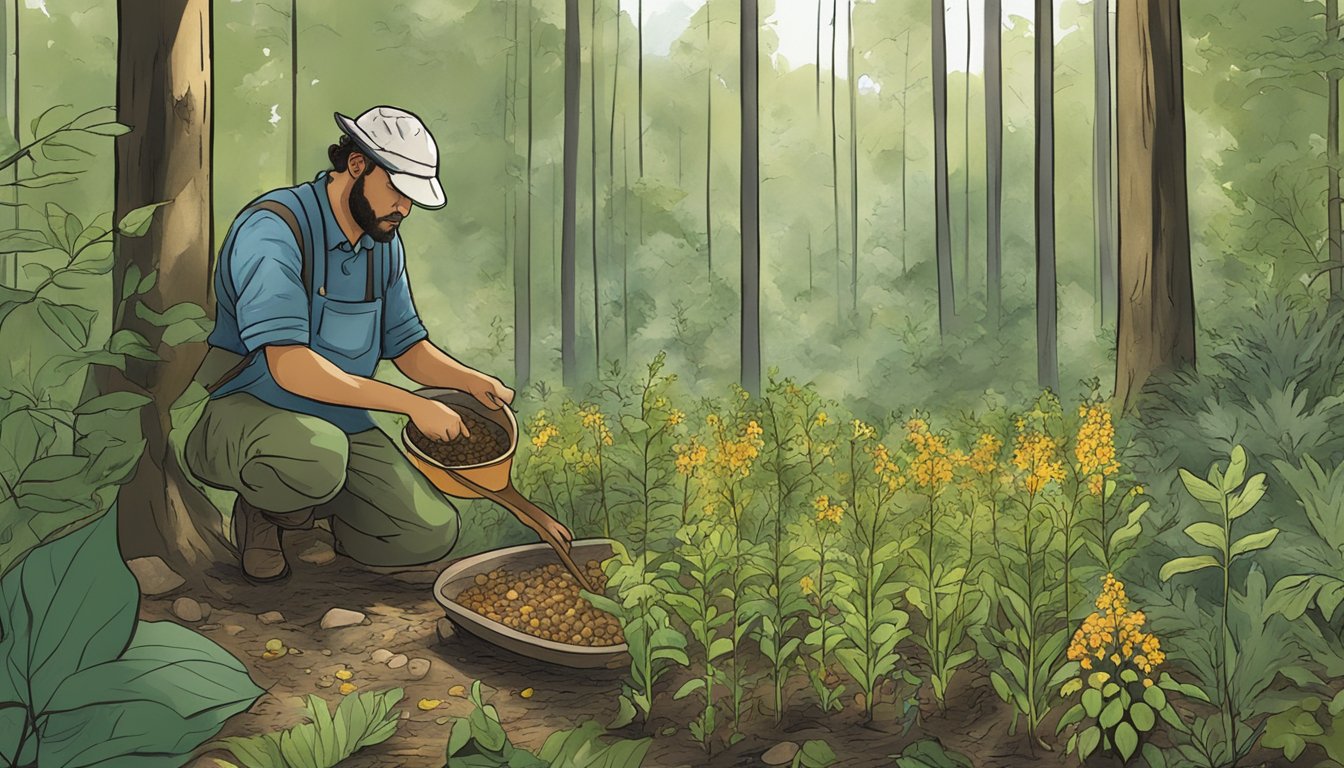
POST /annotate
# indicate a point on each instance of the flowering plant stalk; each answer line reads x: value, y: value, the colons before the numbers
x: 1031, y: 644
x: 596, y: 423
x: 735, y: 453
x: 699, y: 571
x: 872, y: 623
x: 778, y: 597
x: 1113, y: 659
x: 823, y: 636
x: 940, y: 592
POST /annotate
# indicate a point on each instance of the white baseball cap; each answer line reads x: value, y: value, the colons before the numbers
x: 399, y: 142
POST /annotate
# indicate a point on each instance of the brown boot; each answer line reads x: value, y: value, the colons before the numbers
x: 258, y: 542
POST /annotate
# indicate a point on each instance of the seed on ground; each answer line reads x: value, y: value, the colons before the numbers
x: 544, y: 602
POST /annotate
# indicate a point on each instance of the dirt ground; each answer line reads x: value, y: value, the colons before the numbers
x: 403, y: 618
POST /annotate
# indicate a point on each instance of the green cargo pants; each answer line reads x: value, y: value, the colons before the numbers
x: 383, y: 511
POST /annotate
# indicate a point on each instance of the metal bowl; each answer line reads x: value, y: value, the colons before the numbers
x: 459, y: 576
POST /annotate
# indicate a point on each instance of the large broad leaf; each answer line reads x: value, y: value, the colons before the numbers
x: 929, y: 753
x: 174, y: 314
x: 1254, y: 541
x: 1208, y: 534
x: 115, y: 401
x: 1200, y: 489
x: 170, y: 691
x: 69, y: 606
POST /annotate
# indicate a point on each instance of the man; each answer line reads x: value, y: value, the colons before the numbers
x: 312, y: 292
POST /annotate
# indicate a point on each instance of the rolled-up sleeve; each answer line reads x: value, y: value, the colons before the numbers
x: 401, y: 324
x: 272, y: 305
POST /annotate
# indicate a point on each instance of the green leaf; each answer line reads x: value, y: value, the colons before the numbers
x: 24, y: 241
x: 1248, y: 498
x: 1207, y: 534
x: 114, y: 401
x: 1254, y: 541
x: 166, y: 694
x: 1186, y: 565
x: 136, y: 223
x: 1092, y: 702
x: 1126, y: 740
x: 108, y: 129
x: 147, y: 282
x: 1200, y: 489
x: 130, y: 281
x: 1142, y: 716
x: 1088, y: 741
x: 928, y: 753
x: 70, y: 323
x: 1155, y: 697
x: 69, y: 606
x: 131, y: 344
x: 1111, y: 714
x: 175, y: 314
x: 1236, y: 470
x: 815, y: 753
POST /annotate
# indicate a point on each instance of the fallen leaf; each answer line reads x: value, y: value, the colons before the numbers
x: 526, y: 693
x: 457, y: 690
x: 348, y: 688
x: 344, y: 674
x: 428, y: 704
x: 274, y: 645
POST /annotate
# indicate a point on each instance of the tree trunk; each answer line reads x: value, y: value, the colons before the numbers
x: 966, y: 155
x: 835, y: 172
x: 751, y: 204
x: 1332, y: 156
x: 709, y: 146
x: 1156, y: 324
x: 592, y: 157
x: 641, y: 97
x: 571, y: 150
x: 9, y: 76
x: 817, y: 91
x: 625, y: 239
x: 1104, y: 193
x: 294, y: 92
x: 163, y: 92
x: 522, y: 265
x: 994, y: 162
x: 946, y: 300
x: 905, y: 127
x: 853, y: 171
x: 1047, y: 310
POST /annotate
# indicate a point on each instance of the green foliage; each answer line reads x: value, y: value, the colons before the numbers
x: 1320, y: 580
x: 930, y: 753
x: 702, y: 563
x: 87, y: 684
x: 815, y: 753
x: 1293, y: 729
x: 479, y: 741
x: 1118, y: 715
x: 361, y: 720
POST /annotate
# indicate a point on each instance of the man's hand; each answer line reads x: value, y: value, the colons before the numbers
x: 489, y: 390
x: 437, y: 421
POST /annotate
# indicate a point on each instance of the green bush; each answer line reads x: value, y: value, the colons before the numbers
x: 360, y: 720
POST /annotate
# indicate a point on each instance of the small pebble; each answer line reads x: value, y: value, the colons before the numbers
x: 417, y: 668
x: 380, y: 656
x: 271, y: 617
x: 187, y: 609
x: 397, y: 662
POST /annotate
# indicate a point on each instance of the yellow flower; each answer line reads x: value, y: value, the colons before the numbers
x: 1094, y: 448
x: 863, y: 431
x: 821, y: 419
x: 675, y: 417
x: 806, y: 584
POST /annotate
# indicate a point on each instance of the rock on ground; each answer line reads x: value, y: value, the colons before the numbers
x: 397, y: 662
x: 187, y: 609
x: 445, y: 630
x: 318, y: 552
x: 780, y: 754
x: 341, y: 617
x: 154, y: 575
x: 271, y: 617
x: 417, y: 668
x: 380, y: 656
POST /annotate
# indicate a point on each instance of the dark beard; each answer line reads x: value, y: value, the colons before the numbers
x: 364, y: 216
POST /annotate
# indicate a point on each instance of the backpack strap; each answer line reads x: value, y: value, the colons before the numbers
x: 305, y: 273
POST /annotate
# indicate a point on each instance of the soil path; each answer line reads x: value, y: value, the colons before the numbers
x: 403, y: 618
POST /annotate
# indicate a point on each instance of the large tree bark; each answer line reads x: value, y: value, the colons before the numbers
x: 571, y: 150
x: 751, y: 204
x: 1156, y: 325
x: 1333, y: 202
x: 1047, y: 310
x: 594, y: 52
x: 946, y: 299
x: 994, y: 162
x: 835, y: 172
x: 163, y: 92
x: 709, y: 147
x: 1104, y: 191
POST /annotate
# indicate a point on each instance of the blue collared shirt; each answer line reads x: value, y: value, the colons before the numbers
x: 268, y: 304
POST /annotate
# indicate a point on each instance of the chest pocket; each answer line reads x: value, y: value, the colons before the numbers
x: 351, y: 329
